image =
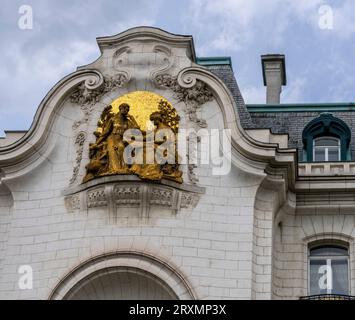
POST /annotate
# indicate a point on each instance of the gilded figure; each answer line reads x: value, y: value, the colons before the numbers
x: 107, y: 153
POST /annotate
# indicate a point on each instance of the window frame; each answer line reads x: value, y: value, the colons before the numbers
x: 326, y: 148
x: 327, y: 258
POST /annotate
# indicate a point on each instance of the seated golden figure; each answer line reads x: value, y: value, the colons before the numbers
x: 159, y: 168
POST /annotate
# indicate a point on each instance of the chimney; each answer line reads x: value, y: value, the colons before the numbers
x: 274, y: 76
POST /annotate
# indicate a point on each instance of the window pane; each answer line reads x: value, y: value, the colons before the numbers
x: 319, y: 154
x: 325, y: 141
x: 333, y: 154
x: 329, y: 251
x: 315, y: 277
x: 340, y: 277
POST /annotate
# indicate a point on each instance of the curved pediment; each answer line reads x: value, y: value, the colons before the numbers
x: 145, y: 34
x: 139, y: 59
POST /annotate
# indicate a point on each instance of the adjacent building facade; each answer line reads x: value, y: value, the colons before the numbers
x: 270, y: 216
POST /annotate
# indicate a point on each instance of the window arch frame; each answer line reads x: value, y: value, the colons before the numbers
x: 327, y: 244
x: 326, y: 125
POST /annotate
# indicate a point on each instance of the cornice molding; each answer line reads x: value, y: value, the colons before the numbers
x: 145, y: 33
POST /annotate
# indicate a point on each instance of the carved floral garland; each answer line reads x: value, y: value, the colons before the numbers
x: 79, y: 141
x: 193, y: 97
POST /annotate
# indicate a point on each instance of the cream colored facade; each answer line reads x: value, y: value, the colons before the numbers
x: 243, y: 235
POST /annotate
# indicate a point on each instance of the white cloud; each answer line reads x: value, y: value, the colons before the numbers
x: 294, y: 91
x: 124, y: 25
x: 253, y: 95
x: 233, y: 24
x: 32, y: 75
x: 344, y: 19
x: 63, y: 38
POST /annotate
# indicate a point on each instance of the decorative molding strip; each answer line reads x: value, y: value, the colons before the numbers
x: 324, y: 203
x: 162, y: 196
x: 214, y: 61
x: 194, y: 96
x: 73, y: 202
x: 131, y: 257
x: 79, y: 141
x: 192, y: 147
x: 96, y: 198
x: 191, y: 173
x: 304, y: 107
x: 127, y: 195
x: 188, y: 200
x: 129, y: 191
x: 326, y: 169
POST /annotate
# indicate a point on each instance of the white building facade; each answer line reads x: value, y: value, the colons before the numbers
x: 263, y: 230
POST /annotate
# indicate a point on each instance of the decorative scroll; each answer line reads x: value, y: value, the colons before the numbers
x: 87, y: 94
x: 193, y: 96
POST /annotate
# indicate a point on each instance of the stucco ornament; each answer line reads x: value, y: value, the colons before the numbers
x: 89, y: 92
x: 79, y: 142
x: 193, y: 95
x: 157, y: 61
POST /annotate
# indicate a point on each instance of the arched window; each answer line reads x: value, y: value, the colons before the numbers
x: 329, y: 269
x: 326, y: 138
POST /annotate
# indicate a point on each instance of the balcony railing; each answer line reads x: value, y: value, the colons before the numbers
x: 328, y: 297
x: 326, y: 169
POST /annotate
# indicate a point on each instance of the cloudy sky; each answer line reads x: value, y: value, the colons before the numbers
x: 317, y: 37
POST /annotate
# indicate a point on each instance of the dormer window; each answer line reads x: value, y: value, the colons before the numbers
x: 326, y: 138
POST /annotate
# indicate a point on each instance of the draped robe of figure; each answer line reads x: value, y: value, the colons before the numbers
x: 155, y: 170
x: 113, y: 134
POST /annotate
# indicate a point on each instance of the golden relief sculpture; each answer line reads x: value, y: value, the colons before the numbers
x: 157, y: 123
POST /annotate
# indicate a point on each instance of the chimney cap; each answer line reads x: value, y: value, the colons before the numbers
x: 272, y: 58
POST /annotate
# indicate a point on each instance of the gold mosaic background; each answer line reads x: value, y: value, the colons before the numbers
x: 142, y: 105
